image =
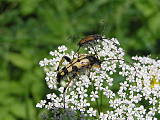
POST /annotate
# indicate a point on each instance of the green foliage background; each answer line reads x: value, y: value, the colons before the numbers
x: 29, y: 29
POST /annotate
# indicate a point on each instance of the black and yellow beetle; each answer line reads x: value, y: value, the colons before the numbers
x: 76, y: 65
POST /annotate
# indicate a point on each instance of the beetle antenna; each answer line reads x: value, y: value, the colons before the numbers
x: 77, y: 51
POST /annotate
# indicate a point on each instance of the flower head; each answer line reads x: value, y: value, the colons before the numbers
x: 92, y: 93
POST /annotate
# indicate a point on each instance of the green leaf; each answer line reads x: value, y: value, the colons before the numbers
x: 19, y: 60
x: 147, y: 7
x: 28, y: 6
x: 154, y: 23
x: 31, y: 109
x: 9, y: 117
x: 16, y: 88
x: 18, y: 109
x: 5, y: 113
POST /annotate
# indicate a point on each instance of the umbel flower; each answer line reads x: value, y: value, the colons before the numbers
x: 117, y: 91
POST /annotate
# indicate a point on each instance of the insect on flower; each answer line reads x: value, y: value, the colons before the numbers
x: 77, y: 65
x: 90, y: 41
x: 74, y: 67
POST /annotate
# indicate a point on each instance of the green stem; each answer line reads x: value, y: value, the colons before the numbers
x: 27, y: 104
x: 98, y: 107
x: 101, y: 92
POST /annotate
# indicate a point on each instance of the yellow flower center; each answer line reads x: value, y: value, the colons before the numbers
x: 154, y: 81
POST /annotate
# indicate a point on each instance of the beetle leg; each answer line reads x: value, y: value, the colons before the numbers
x: 64, y: 92
x: 62, y: 60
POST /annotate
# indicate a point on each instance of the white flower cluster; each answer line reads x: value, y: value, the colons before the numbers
x: 91, y: 95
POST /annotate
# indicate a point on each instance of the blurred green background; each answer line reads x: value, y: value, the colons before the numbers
x: 29, y: 29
